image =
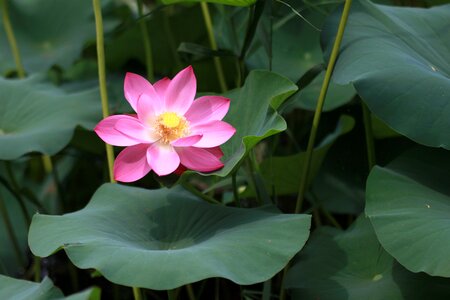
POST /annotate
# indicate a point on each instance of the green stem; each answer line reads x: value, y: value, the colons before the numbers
x: 37, y: 269
x: 172, y: 294
x: 102, y: 78
x: 9, y: 229
x: 369, y: 136
x: 319, y: 107
x: 170, y: 38
x: 199, y: 194
x: 137, y: 293
x: 235, y: 189
x: 11, y: 38
x: 15, y: 191
x: 213, y: 44
x: 147, y: 44
x: 190, y: 292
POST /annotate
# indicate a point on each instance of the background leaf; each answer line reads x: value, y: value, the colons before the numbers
x: 36, y: 116
x: 17, y: 289
x: 163, y: 239
x: 398, y: 60
x: 351, y: 264
x: 408, y: 203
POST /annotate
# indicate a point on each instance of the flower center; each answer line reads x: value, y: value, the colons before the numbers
x: 170, y: 126
x: 170, y: 119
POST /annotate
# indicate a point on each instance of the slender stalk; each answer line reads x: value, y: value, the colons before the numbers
x: 37, y: 269
x: 170, y: 38
x: 15, y: 191
x: 172, y: 294
x: 213, y: 44
x: 320, y: 102
x: 137, y: 293
x: 10, y: 231
x: 199, y: 194
x: 190, y: 292
x: 369, y: 136
x: 147, y: 44
x: 235, y: 189
x: 102, y: 78
x: 12, y: 39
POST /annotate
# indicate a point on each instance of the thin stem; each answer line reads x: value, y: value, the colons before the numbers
x: 190, y: 292
x: 213, y: 44
x: 102, y: 78
x: 170, y: 38
x: 369, y: 136
x: 15, y: 191
x: 235, y: 189
x: 320, y: 102
x: 171, y: 294
x: 37, y: 269
x: 137, y: 293
x: 9, y: 229
x: 146, y: 40
x: 12, y: 39
x: 199, y: 194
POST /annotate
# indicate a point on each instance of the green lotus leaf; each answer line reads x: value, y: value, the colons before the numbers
x: 48, y: 32
x: 398, y: 60
x: 17, y: 289
x: 36, y: 116
x: 253, y: 114
x: 408, y: 203
x: 351, y: 265
x: 162, y: 239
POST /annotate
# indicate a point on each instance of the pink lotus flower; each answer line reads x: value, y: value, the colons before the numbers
x: 170, y: 128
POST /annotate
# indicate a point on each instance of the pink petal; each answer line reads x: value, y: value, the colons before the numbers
x: 148, y: 109
x: 133, y: 128
x: 214, y: 133
x: 181, y: 92
x: 106, y: 130
x: 207, y: 108
x: 136, y: 85
x: 216, y: 151
x: 186, y: 141
x: 131, y: 164
x: 163, y: 159
x: 161, y: 86
x: 199, y: 159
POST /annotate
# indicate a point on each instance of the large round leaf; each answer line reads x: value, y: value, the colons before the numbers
x: 17, y: 289
x: 352, y: 265
x: 48, y: 32
x: 408, y: 202
x: 35, y: 116
x: 398, y: 61
x: 162, y: 239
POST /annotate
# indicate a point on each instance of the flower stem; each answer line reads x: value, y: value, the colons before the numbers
x: 369, y: 136
x: 137, y: 293
x: 102, y: 79
x: 320, y: 102
x: 147, y: 44
x: 213, y: 44
x: 9, y: 229
x: 12, y: 39
x: 235, y: 189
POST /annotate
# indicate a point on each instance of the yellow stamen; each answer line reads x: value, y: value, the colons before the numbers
x: 170, y: 126
x: 170, y: 119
